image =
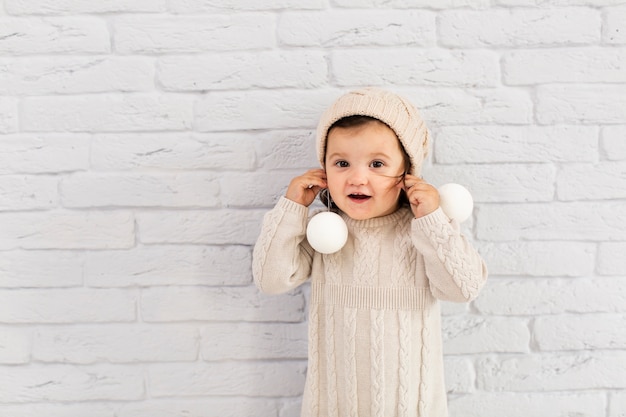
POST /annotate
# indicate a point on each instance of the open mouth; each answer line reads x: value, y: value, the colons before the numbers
x: 359, y: 197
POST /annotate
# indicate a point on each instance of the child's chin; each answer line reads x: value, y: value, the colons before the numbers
x: 359, y: 214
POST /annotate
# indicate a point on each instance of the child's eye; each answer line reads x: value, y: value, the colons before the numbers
x: 377, y: 164
x: 342, y: 164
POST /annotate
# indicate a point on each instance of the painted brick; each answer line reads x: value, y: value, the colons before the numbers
x: 584, y: 404
x: 471, y: 334
x: 39, y: 383
x: 192, y: 407
x: 290, y: 408
x: 142, y: 142
x: 41, y: 268
x: 257, y: 189
x: 565, y: 332
x: 574, y: 65
x: 252, y: 379
x: 57, y: 35
x: 519, y: 27
x: 617, y: 403
x: 67, y: 230
x: 67, y: 306
x: 173, y: 151
x: 43, y: 153
x: 107, y: 113
x: 287, y: 149
x: 62, y: 410
x: 539, y: 259
x: 75, y: 75
x: 262, y: 109
x: 254, y: 341
x: 529, y: 144
x: 200, y: 227
x: 558, y: 3
x: 410, y: 4
x: 171, y: 304
x: 51, y: 7
x: 450, y: 106
x: 435, y: 67
x: 584, y: 103
x: 449, y: 308
x: 613, y: 29
x: 500, y: 182
x: 593, y: 221
x: 209, y: 6
x: 612, y: 143
x: 341, y: 28
x: 15, y: 345
x: 228, y: 71
x: 459, y: 375
x: 611, y: 259
x: 8, y: 115
x: 147, y: 266
x: 28, y: 192
x: 181, y: 34
x: 140, y: 190
x: 553, y: 372
x: 604, y: 181
x: 537, y: 297
x: 115, y: 343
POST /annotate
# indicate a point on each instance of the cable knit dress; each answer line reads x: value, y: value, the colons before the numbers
x: 375, y: 344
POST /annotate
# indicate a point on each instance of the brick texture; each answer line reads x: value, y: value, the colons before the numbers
x: 141, y: 143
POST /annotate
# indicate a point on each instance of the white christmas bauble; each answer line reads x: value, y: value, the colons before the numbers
x: 327, y: 232
x: 456, y: 201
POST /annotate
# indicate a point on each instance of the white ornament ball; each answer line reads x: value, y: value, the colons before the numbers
x: 456, y: 201
x: 327, y: 232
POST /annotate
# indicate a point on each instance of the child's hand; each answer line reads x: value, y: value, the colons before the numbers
x: 424, y: 198
x: 304, y: 188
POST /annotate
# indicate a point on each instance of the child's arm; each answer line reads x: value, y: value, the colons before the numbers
x: 455, y: 270
x: 282, y: 257
x: 281, y: 261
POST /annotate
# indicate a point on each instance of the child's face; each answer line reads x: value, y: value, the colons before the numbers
x: 364, y: 165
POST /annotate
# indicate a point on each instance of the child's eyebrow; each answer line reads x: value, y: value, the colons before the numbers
x: 380, y: 155
x: 371, y: 156
x: 335, y: 155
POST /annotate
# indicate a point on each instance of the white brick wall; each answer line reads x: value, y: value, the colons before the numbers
x: 142, y: 141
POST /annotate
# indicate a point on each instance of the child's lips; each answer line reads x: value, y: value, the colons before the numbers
x: 359, y: 197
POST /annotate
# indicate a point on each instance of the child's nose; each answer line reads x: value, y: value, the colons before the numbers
x: 357, y: 176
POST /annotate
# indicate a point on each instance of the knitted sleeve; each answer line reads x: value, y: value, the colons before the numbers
x: 455, y: 270
x: 282, y: 258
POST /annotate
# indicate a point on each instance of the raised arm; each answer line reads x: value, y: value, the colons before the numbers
x: 455, y: 270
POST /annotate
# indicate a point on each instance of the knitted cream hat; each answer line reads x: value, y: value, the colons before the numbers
x: 389, y: 108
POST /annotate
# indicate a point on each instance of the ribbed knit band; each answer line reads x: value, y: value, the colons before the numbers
x: 377, y: 298
x: 389, y: 108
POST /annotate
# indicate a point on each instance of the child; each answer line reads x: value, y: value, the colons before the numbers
x: 375, y: 344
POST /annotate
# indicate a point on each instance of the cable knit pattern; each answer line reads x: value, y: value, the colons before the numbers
x: 367, y: 248
x: 349, y: 351
x: 404, y: 352
x: 424, y: 365
x: 331, y: 356
x: 313, y: 377
x: 268, y: 230
x: 377, y: 359
x: 456, y: 265
x: 451, y: 250
x: 332, y: 268
x: 371, y: 320
x: 403, y: 269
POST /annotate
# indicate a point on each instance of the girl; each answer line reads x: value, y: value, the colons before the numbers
x: 375, y: 344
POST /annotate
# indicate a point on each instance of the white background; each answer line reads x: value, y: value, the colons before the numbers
x: 142, y: 141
